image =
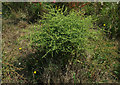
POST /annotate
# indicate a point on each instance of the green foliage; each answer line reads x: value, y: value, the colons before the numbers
x: 63, y: 38
x: 62, y: 33
x: 23, y: 11
x: 108, y: 14
x: 62, y: 41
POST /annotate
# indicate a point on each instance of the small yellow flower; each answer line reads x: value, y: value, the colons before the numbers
x: 61, y: 13
x: 103, y: 24
x: 20, y: 48
x: 34, y: 72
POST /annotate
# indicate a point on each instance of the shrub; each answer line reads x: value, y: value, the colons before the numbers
x: 64, y: 39
x: 59, y: 34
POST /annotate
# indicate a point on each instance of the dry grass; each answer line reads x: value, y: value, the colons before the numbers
x: 12, y: 56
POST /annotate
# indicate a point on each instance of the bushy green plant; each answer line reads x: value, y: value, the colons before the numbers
x: 60, y: 39
x: 63, y: 34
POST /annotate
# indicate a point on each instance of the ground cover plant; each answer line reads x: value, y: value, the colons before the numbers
x: 63, y: 46
x: 107, y: 14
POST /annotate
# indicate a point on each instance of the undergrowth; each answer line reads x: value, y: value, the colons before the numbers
x: 60, y: 49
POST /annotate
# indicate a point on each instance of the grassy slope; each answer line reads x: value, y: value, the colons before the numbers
x: 17, y: 63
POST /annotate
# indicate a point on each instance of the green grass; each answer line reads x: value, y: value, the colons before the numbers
x: 99, y: 63
x: 28, y: 57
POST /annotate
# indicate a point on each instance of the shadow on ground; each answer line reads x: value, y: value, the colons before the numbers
x: 48, y: 70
